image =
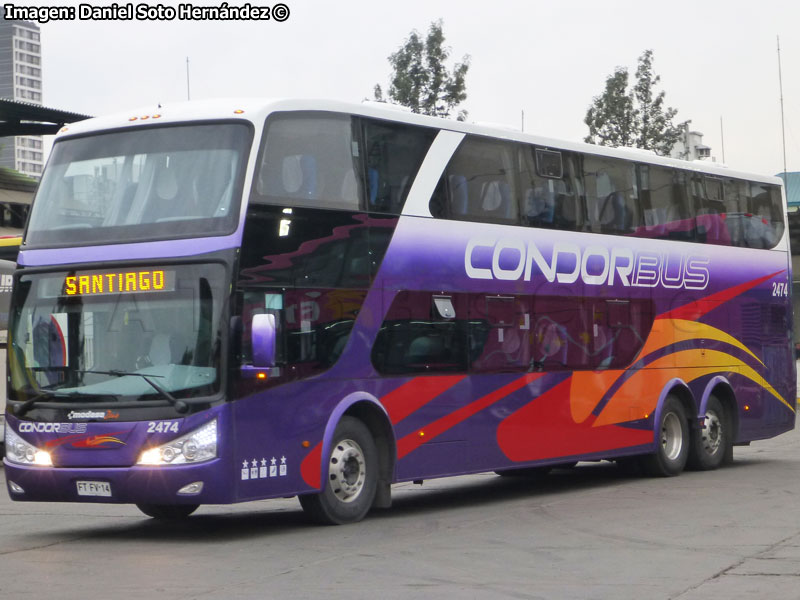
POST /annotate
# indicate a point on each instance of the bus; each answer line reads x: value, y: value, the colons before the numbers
x: 236, y: 300
x: 9, y: 247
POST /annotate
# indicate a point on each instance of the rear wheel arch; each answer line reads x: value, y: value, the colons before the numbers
x: 671, y: 431
x: 720, y: 388
x: 682, y: 392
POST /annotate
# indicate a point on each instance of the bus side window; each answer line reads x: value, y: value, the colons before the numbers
x: 612, y: 200
x: 734, y: 198
x: 393, y: 156
x: 415, y: 338
x: 504, y: 325
x: 665, y: 204
x: 480, y: 181
x: 310, y: 159
x: 707, y: 197
x: 763, y: 224
x: 548, y: 194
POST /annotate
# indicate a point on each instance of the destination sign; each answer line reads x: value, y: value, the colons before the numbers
x: 98, y: 283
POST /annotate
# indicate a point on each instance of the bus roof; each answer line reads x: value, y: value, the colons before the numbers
x: 255, y: 110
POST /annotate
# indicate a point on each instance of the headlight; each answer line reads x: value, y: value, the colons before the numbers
x: 195, y: 447
x: 21, y: 452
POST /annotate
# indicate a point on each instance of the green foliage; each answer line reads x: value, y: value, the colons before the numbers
x: 611, y: 117
x: 637, y: 117
x: 420, y: 80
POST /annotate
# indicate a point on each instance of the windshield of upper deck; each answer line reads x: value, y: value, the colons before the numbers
x: 141, y: 184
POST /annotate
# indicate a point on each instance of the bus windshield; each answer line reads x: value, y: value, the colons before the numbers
x: 152, y: 183
x: 112, y: 333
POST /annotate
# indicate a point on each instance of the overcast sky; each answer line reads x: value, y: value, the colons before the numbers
x: 717, y: 60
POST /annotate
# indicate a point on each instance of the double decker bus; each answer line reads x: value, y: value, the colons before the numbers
x: 237, y: 300
x: 9, y: 247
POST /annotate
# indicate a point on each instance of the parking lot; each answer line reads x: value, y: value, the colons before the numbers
x: 591, y: 532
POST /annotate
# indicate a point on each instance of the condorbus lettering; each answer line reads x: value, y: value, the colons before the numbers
x: 595, y: 252
x: 647, y: 273
x: 512, y: 260
x: 511, y: 274
x: 672, y: 275
x: 696, y: 275
x: 30, y: 427
x: 624, y: 271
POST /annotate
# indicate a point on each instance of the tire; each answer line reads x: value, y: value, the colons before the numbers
x: 168, y: 512
x: 711, y: 443
x: 352, y: 477
x: 672, y: 441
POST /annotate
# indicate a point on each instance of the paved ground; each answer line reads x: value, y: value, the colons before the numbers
x: 588, y: 533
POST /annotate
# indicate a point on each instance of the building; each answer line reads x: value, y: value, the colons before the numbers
x: 21, y: 80
x: 791, y: 183
x: 690, y: 146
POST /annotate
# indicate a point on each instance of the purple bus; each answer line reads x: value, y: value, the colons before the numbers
x: 237, y: 300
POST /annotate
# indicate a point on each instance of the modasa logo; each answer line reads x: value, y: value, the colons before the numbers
x: 513, y: 260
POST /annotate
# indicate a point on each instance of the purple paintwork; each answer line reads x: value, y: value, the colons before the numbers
x: 115, y: 462
x: 279, y: 426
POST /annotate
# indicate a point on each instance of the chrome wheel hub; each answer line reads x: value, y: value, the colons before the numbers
x: 671, y: 436
x: 711, y: 433
x: 347, y: 470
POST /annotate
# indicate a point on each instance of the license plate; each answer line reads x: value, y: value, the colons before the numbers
x: 94, y: 488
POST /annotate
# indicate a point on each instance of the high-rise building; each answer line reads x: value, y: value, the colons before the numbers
x: 21, y: 80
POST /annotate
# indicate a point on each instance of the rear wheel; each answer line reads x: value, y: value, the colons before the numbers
x: 351, y: 478
x: 712, y: 442
x: 672, y: 441
x: 168, y: 512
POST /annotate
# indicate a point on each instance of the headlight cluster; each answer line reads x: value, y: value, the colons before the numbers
x: 21, y: 452
x: 195, y: 447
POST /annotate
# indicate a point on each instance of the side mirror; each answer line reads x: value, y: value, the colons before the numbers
x: 263, y: 336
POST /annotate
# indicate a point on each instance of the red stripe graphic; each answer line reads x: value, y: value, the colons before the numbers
x: 544, y: 428
x: 414, y: 394
x: 414, y: 440
x: 309, y: 468
x: 399, y: 403
x: 696, y: 309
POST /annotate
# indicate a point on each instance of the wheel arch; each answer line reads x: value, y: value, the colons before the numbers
x: 366, y: 408
x: 676, y: 387
x: 720, y: 387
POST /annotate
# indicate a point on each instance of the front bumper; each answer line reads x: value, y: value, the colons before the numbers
x: 139, y: 484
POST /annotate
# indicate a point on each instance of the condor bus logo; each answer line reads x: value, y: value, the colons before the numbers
x: 65, y: 428
x: 512, y: 260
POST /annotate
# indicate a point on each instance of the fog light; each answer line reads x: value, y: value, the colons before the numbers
x: 191, y: 489
x: 15, y: 488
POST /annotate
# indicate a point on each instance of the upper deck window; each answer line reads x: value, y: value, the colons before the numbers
x: 141, y: 184
x: 326, y: 160
x: 310, y: 160
x: 481, y: 183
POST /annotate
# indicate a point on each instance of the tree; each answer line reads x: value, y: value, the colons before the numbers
x: 420, y: 80
x: 611, y: 117
x: 637, y: 117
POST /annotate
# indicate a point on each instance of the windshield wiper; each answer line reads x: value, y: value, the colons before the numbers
x: 180, y: 405
x: 21, y: 409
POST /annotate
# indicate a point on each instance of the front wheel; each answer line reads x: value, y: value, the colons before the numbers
x: 352, y: 477
x: 712, y: 442
x: 168, y: 512
x: 672, y: 441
